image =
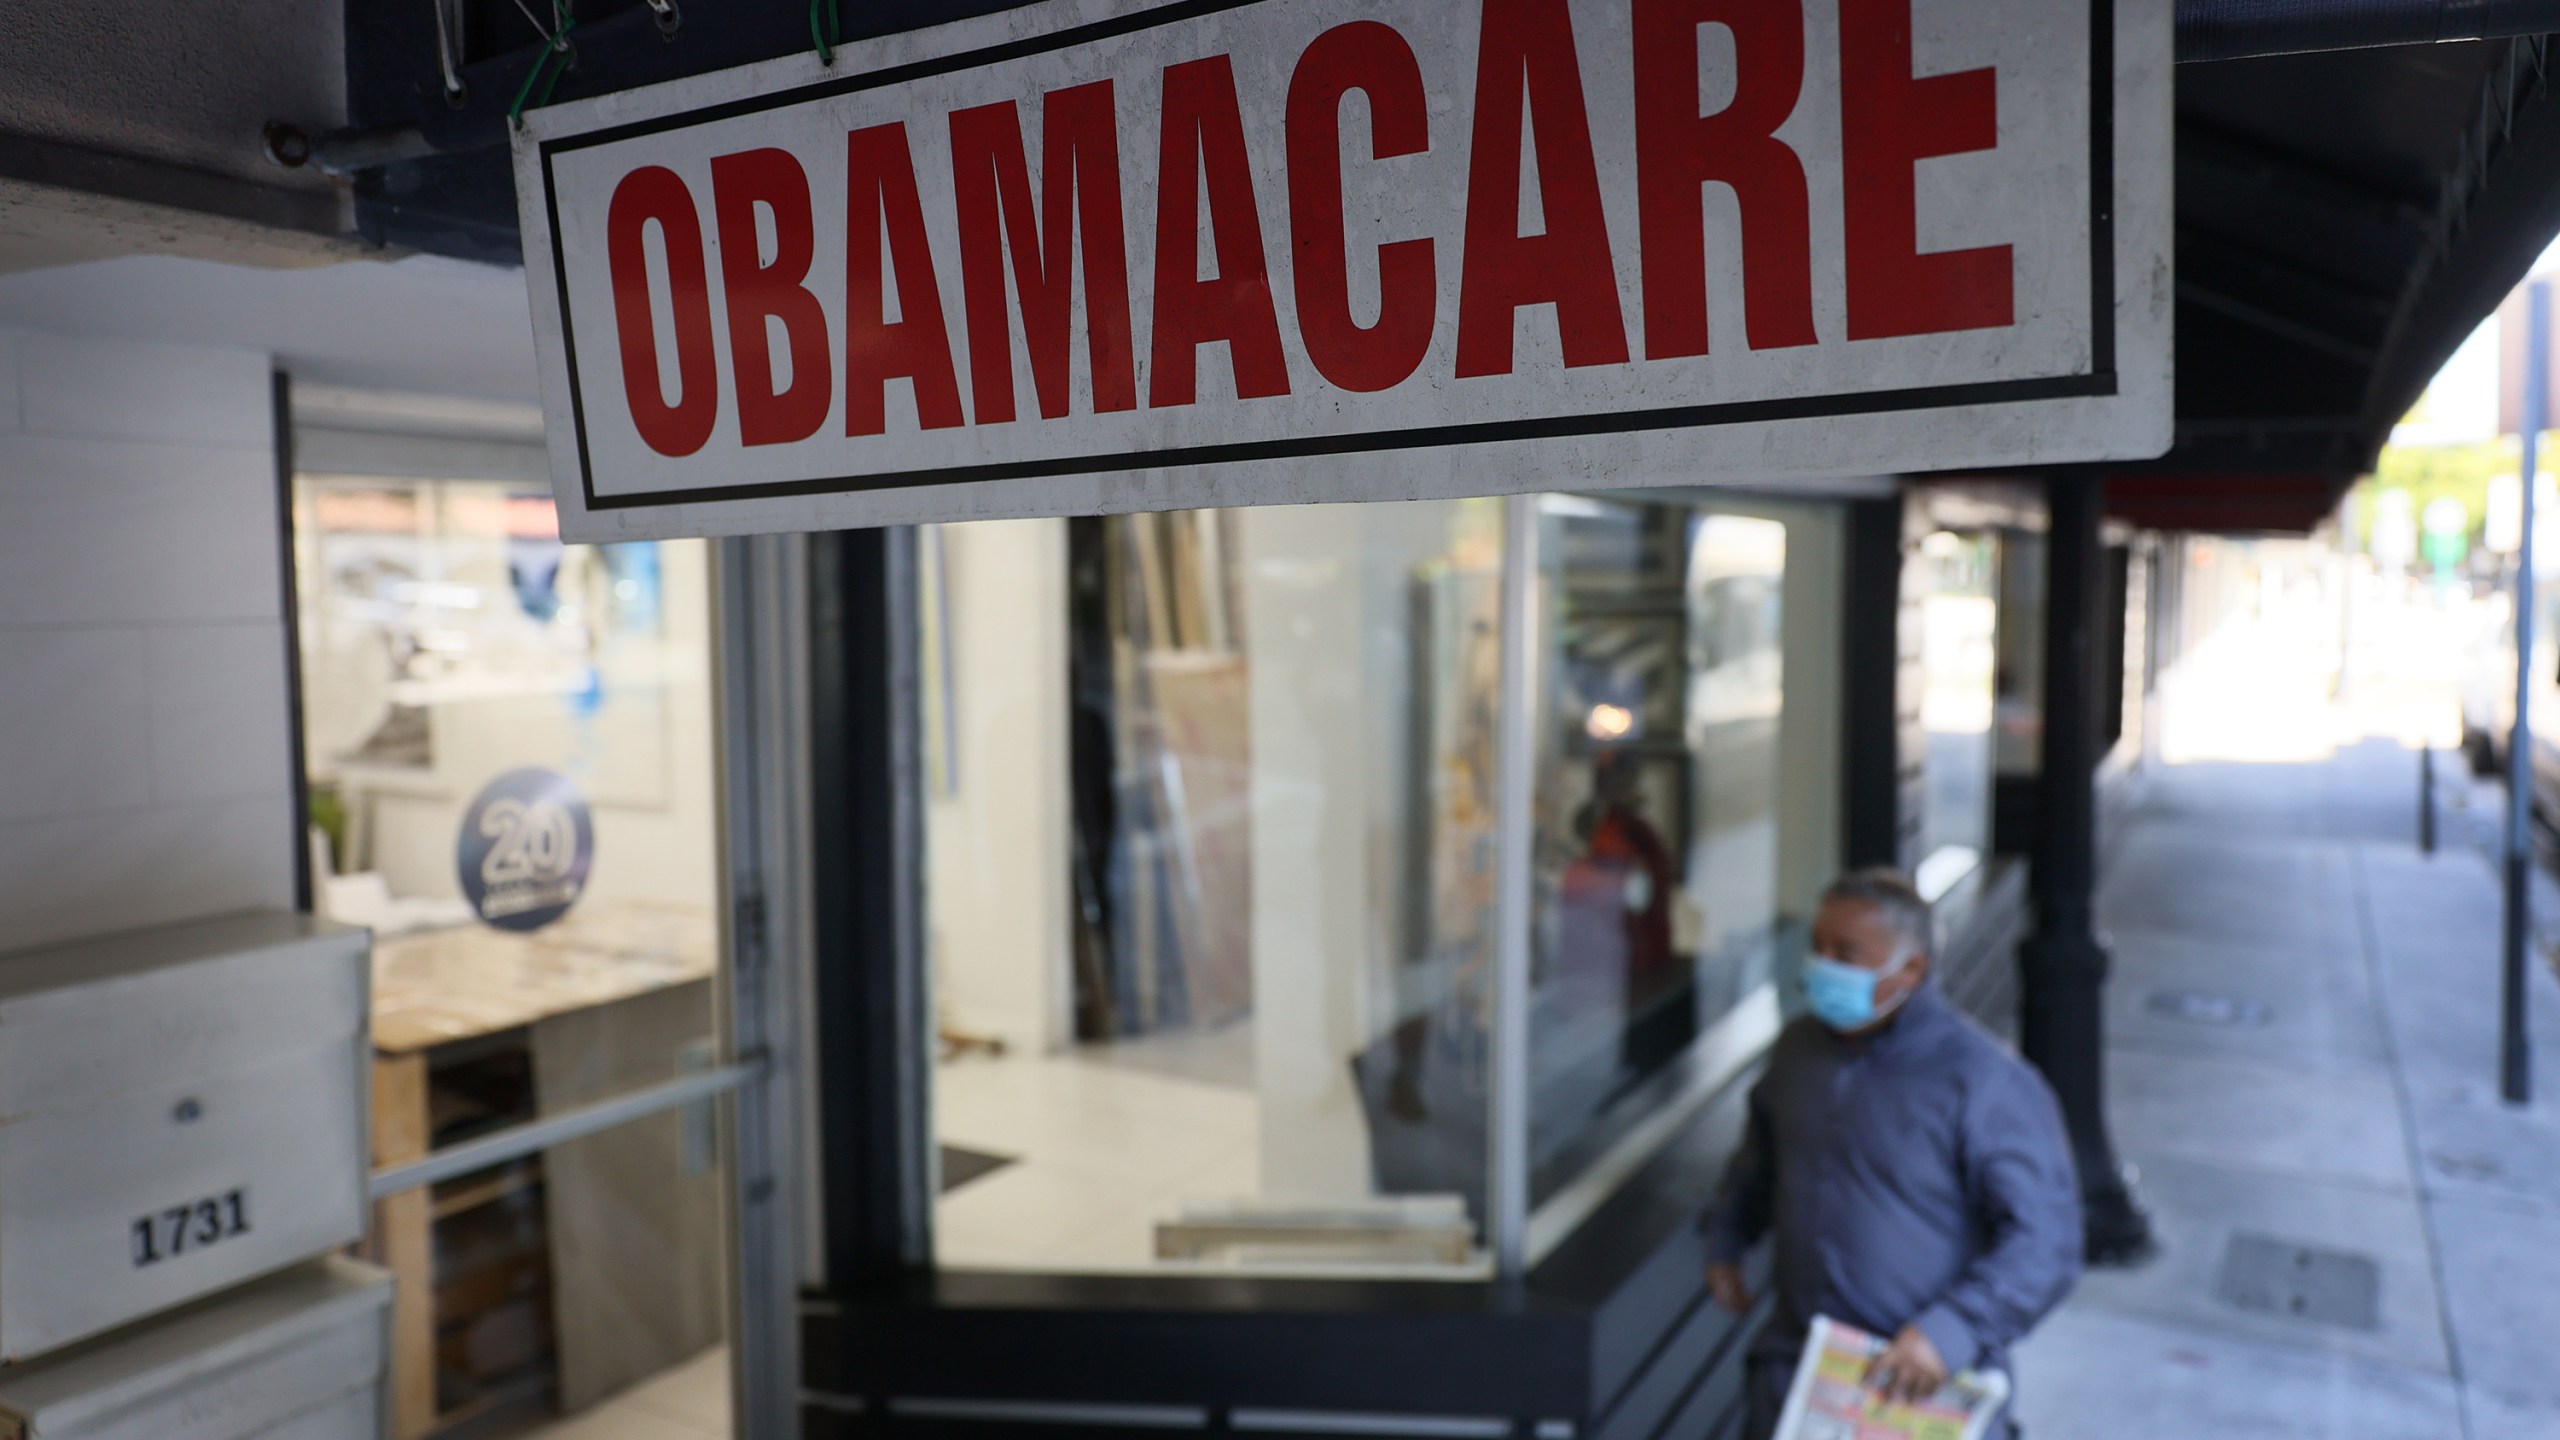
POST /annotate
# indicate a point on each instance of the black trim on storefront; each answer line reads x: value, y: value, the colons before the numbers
x: 280, y: 390
x: 1871, y: 668
x: 865, y: 850
x: 2112, y: 611
x: 1613, y: 1333
x: 1429, y: 437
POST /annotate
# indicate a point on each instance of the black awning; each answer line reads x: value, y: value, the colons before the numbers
x: 2344, y: 220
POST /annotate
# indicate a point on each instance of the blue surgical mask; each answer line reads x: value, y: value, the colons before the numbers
x: 1843, y: 996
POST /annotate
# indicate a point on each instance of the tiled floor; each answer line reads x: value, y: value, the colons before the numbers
x: 690, y: 1402
x: 1101, y: 1152
x: 1100, y: 1146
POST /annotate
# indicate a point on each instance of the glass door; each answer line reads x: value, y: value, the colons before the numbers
x: 509, y: 749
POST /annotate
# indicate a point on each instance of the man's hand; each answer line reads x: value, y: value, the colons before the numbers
x: 1727, y: 1287
x: 1910, y: 1369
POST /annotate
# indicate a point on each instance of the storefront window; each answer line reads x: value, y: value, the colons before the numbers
x: 1959, y: 618
x: 507, y: 742
x: 1211, y: 833
x: 2017, y: 689
x: 1212, y: 817
x: 1659, y: 807
x: 2018, y: 683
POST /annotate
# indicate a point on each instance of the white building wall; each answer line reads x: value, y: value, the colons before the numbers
x: 1001, y: 898
x: 144, y: 772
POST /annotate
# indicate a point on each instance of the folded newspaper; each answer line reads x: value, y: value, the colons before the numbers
x: 1830, y: 1399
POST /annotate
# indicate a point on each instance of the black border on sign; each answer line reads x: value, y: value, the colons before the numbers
x: 2099, y: 379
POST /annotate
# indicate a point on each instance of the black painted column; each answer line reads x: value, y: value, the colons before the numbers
x: 2063, y: 967
x: 1870, y: 675
x: 873, y: 1033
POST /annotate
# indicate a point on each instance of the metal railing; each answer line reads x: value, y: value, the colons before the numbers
x: 518, y: 1141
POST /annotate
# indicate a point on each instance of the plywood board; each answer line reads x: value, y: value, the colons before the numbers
x: 1204, y: 722
x: 441, y: 986
x: 636, y: 1237
x: 403, y: 1242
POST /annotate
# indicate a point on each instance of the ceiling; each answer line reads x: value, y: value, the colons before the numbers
x: 423, y: 324
x: 138, y: 127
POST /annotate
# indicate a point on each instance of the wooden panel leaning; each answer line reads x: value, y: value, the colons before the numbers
x: 404, y: 1243
x: 634, y: 1213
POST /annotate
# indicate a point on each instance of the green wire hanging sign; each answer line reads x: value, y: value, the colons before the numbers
x: 547, y: 66
x: 824, y: 30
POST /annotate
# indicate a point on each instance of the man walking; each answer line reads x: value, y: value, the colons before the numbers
x: 1914, y: 1170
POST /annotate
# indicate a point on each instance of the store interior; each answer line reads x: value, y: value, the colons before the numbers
x: 454, y: 652
x: 1212, y: 824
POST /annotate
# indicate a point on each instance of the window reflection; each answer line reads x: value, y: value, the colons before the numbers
x: 1657, y: 854
x: 1212, y: 821
x: 1211, y: 873
x: 2017, y: 711
x: 2018, y: 706
x: 1959, y: 621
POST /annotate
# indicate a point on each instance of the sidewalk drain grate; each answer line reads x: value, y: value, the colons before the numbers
x: 2268, y: 1276
x: 2202, y: 1007
x: 2466, y: 1167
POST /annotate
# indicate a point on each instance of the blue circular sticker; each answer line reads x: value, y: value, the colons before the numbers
x: 525, y: 849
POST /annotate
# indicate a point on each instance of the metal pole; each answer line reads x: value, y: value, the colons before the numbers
x: 2426, y: 799
x: 2348, y: 548
x: 2515, y: 1058
x: 1515, y: 780
x: 2063, y: 967
x: 759, y: 616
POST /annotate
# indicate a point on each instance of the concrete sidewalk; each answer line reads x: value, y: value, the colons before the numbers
x: 2302, y: 1052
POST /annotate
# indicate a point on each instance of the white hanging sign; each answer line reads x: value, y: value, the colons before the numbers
x: 1099, y: 255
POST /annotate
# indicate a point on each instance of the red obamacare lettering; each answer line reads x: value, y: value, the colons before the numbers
x: 1373, y: 59
x: 1891, y: 120
x: 1204, y: 135
x: 880, y: 196
x: 1678, y: 151
x: 1080, y: 198
x: 1213, y: 291
x: 771, y: 181
x: 1526, y: 57
x: 655, y: 195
